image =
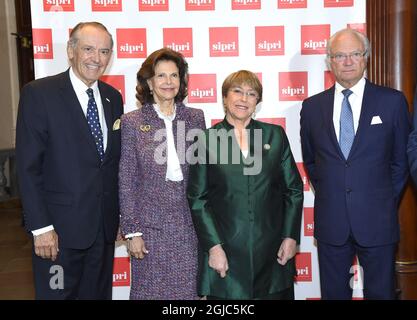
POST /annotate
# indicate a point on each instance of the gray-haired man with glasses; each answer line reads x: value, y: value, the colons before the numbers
x: 354, y: 138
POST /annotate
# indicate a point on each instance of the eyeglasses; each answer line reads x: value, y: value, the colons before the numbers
x: 88, y: 50
x: 355, y: 56
x: 251, y: 95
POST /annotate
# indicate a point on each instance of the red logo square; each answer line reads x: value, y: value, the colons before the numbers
x: 117, y: 82
x: 304, y: 177
x: 42, y: 44
x: 269, y: 41
x: 338, y: 3
x: 329, y: 80
x: 314, y: 39
x: 153, y: 5
x: 246, y: 4
x: 121, y: 272
x: 58, y: 5
x: 202, y: 88
x: 292, y: 4
x: 131, y: 43
x: 308, y: 222
x: 293, y: 86
x: 303, y: 266
x: 179, y: 39
x: 200, y: 5
x: 106, y: 5
x: 224, y: 42
x: 361, y: 27
x: 278, y: 121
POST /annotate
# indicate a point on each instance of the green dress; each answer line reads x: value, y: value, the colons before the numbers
x: 248, y: 211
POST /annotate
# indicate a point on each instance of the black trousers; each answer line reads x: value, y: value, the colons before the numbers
x: 76, y: 273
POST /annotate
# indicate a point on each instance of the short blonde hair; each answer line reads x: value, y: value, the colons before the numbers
x: 242, y: 77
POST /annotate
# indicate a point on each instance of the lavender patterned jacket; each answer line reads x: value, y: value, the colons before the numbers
x: 143, y: 198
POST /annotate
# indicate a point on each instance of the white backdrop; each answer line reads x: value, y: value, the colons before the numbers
x: 283, y: 41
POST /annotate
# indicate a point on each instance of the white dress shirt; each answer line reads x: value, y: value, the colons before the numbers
x: 174, y: 172
x: 355, y: 100
x: 80, y: 89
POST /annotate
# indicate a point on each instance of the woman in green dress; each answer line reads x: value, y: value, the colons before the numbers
x: 246, y: 198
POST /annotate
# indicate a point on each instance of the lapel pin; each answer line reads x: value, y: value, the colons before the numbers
x: 145, y: 127
x: 267, y: 146
x: 108, y: 100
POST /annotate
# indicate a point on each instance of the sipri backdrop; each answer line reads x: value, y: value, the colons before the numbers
x: 283, y: 41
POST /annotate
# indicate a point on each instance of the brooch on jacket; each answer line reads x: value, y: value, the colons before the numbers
x: 145, y: 127
x: 267, y: 146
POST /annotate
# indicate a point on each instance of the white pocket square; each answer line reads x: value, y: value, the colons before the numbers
x: 376, y: 120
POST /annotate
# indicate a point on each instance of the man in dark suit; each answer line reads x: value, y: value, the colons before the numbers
x: 354, y: 139
x: 412, y: 143
x: 68, y: 150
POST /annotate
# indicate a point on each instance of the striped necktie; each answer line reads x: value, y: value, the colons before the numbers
x: 347, y: 131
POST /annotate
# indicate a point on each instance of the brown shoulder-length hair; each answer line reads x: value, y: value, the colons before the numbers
x: 242, y: 77
x: 147, y: 71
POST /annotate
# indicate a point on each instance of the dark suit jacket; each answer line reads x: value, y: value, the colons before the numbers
x: 359, y: 195
x: 62, y: 181
x: 412, y: 143
x: 248, y: 214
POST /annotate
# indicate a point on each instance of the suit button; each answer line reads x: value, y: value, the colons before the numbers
x: 347, y: 165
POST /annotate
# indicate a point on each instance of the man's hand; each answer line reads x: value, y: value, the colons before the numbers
x: 218, y: 260
x: 286, y: 251
x: 46, y: 245
x: 136, y: 247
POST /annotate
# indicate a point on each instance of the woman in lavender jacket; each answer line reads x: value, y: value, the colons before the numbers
x: 155, y: 217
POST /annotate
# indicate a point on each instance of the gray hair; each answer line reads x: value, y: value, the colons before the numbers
x: 73, y: 40
x: 359, y: 35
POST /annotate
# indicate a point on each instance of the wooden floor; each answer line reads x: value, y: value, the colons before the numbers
x: 16, y: 280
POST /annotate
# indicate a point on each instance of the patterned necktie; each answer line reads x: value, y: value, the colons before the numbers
x: 94, y: 123
x: 347, y: 132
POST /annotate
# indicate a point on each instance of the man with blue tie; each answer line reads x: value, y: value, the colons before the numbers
x: 68, y: 151
x: 412, y: 143
x: 354, y: 138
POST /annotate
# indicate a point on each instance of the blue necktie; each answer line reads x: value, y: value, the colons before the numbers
x: 94, y: 123
x: 347, y: 131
